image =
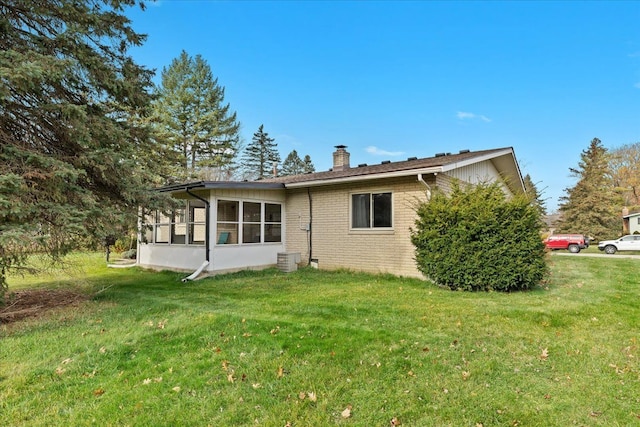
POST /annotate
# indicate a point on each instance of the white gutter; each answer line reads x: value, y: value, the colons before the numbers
x: 196, y: 273
x: 366, y: 177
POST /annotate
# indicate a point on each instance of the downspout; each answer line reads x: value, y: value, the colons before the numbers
x: 426, y: 185
x: 310, y: 231
x: 206, y: 236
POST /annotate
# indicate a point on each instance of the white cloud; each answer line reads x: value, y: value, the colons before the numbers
x: 462, y: 115
x: 379, y: 152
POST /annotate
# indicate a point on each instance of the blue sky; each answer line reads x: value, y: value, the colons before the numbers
x: 395, y: 79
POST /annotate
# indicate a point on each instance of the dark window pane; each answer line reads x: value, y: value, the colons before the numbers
x: 251, y: 233
x: 227, y: 210
x: 272, y: 212
x: 382, y: 210
x: 251, y: 212
x: 272, y: 233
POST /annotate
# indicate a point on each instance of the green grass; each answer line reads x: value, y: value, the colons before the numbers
x: 248, y: 349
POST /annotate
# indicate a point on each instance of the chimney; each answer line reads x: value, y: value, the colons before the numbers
x: 340, y: 158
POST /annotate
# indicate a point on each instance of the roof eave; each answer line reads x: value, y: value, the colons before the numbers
x: 367, y: 177
x: 210, y: 185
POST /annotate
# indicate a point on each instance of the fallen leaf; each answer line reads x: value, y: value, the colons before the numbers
x: 466, y: 375
x: 280, y: 372
x: 146, y: 381
x: 102, y: 350
x: 288, y: 424
x: 395, y: 422
x: 256, y: 385
x: 347, y: 412
x: 67, y: 361
x: 176, y: 389
x: 98, y: 392
x: 312, y: 396
x: 231, y: 378
x: 302, y: 395
x: 545, y: 354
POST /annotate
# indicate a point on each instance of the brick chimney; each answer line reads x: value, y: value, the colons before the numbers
x: 340, y: 158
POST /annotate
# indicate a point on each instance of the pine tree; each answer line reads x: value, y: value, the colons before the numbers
x: 73, y: 150
x: 261, y: 156
x: 190, y: 114
x: 534, y: 195
x: 308, y: 165
x: 292, y: 165
x: 592, y: 207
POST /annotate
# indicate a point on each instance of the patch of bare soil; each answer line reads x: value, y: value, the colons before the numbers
x: 37, y: 302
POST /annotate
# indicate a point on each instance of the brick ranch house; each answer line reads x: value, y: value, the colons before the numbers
x: 354, y: 217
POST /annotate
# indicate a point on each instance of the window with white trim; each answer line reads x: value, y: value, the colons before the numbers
x: 248, y: 222
x: 228, y: 221
x: 371, y: 210
x: 186, y: 225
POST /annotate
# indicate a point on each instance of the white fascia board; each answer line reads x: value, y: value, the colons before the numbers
x: 472, y: 160
x: 396, y: 174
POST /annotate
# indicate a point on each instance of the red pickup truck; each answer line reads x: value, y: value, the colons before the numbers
x: 573, y: 242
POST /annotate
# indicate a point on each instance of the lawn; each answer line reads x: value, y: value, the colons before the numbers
x: 317, y: 348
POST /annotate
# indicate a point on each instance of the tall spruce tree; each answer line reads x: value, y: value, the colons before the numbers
x: 261, y: 156
x: 592, y: 206
x: 73, y: 163
x: 190, y: 114
x: 292, y: 165
x: 308, y: 165
x: 531, y: 190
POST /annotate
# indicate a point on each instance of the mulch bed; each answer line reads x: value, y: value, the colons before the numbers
x: 36, y: 302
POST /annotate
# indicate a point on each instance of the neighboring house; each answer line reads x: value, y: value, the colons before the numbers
x: 348, y: 217
x: 631, y: 223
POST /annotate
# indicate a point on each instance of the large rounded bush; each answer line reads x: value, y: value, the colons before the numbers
x: 477, y: 239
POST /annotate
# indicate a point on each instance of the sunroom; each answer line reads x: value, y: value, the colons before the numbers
x: 219, y: 227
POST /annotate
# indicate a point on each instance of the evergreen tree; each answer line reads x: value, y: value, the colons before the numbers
x: 534, y: 195
x: 477, y: 239
x: 73, y: 152
x: 292, y: 165
x: 308, y: 165
x: 592, y: 207
x: 261, y: 155
x: 190, y: 114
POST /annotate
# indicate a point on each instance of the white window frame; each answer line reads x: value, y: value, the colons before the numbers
x: 186, y: 221
x: 371, y: 228
x: 241, y: 222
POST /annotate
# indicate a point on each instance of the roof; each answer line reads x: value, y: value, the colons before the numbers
x: 503, y: 158
x: 631, y: 215
x: 236, y: 185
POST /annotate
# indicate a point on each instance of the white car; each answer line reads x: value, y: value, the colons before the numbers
x: 624, y: 243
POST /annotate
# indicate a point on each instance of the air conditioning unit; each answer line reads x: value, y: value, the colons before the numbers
x: 288, y: 261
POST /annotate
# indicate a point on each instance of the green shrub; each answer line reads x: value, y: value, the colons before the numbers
x: 130, y: 254
x: 478, y: 240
